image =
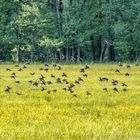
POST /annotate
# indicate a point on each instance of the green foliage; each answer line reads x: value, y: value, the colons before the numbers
x: 70, y: 26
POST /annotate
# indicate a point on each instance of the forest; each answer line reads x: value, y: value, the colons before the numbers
x: 70, y: 30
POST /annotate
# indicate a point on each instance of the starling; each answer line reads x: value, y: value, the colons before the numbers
x: 54, y: 65
x: 13, y: 76
x: 77, y: 82
x: 20, y: 69
x: 8, y: 89
x: 46, y: 69
x: 74, y: 95
x: 52, y: 76
x: 124, y: 85
x: 46, y: 65
x: 24, y: 67
x: 59, y: 68
x: 88, y: 93
x: 41, y: 69
x: 16, y: 65
x: 117, y: 71
x: 42, y: 88
x: 35, y: 84
x: 82, y: 70
x: 120, y: 65
x: 104, y: 89
x: 127, y: 74
x: 80, y: 79
x: 32, y: 73
x: 17, y: 82
x: 49, y: 82
x: 58, y: 80
x: 7, y: 69
x: 64, y: 74
x: 64, y: 89
x: 18, y: 93
x: 137, y: 64
x: 86, y: 67
x: 103, y: 79
x: 48, y: 92
x: 124, y: 89
x: 115, y: 89
x: 128, y: 66
x: 30, y: 81
x: 85, y: 75
x: 54, y: 90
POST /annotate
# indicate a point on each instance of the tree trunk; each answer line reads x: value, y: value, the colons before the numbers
x: 98, y: 48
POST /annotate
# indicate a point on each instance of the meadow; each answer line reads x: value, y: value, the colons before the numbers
x: 96, y: 108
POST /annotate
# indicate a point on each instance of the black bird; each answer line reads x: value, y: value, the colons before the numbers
x: 72, y: 85
x: 13, y: 76
x: 48, y: 92
x: 103, y: 79
x: 80, y: 79
x: 35, y: 84
x: 85, y: 75
x: 105, y: 89
x: 46, y: 69
x: 86, y: 67
x: 59, y: 68
x: 58, y: 80
x: 120, y: 65
x: 52, y: 76
x: 46, y: 65
x: 128, y: 66
x: 28, y: 63
x: 18, y: 93
x: 88, y: 93
x: 115, y: 89
x: 24, y: 67
x: 124, y: 85
x: 127, y: 74
x: 7, y: 69
x: 32, y: 73
x: 54, y: 65
x: 114, y: 82
x: 65, y: 81
x: 124, y: 89
x: 20, y: 69
x: 54, y: 90
x: 43, y: 82
x: 82, y: 70
x: 49, y: 82
x: 137, y: 64
x: 64, y: 74
x: 42, y: 76
x: 77, y: 82
x: 17, y: 82
x: 8, y: 89
x: 41, y: 69
x: 65, y: 89
x: 117, y: 71
x: 16, y: 65
x: 74, y: 95
x: 30, y: 81
x: 42, y: 88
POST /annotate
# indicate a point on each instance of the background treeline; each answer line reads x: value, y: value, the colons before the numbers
x: 69, y: 30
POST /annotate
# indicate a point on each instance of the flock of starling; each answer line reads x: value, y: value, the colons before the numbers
x: 41, y: 83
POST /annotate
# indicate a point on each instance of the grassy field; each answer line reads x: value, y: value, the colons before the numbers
x: 28, y: 113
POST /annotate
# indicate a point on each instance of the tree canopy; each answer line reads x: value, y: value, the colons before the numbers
x: 70, y: 30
